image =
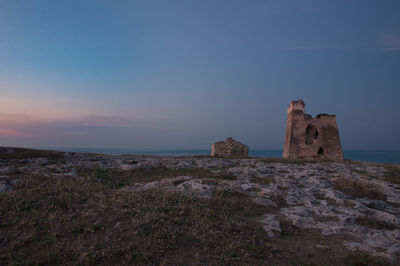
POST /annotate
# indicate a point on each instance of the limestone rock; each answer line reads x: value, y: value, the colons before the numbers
x: 271, y: 225
x: 197, y: 188
x: 4, y: 186
x: 229, y: 147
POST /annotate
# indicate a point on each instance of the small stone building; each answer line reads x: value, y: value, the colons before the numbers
x: 308, y: 137
x: 229, y: 147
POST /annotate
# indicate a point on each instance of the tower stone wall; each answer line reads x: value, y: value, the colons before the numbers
x: 308, y: 137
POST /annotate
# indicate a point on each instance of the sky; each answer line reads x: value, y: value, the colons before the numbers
x: 183, y: 74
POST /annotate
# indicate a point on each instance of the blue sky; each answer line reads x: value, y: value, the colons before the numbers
x: 184, y: 74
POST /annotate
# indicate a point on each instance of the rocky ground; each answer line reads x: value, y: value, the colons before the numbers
x: 249, y: 210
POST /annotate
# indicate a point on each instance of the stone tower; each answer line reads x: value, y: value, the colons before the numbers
x: 308, y: 137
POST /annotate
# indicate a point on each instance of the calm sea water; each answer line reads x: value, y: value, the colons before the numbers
x: 392, y: 157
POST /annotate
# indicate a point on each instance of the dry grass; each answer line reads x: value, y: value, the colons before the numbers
x: 263, y: 181
x: 300, y: 161
x: 362, y: 259
x: 358, y: 189
x: 118, y: 178
x: 373, y: 223
x: 393, y: 174
x: 232, y: 157
x: 360, y: 172
x: 282, y: 160
x: 86, y: 220
x: 22, y: 153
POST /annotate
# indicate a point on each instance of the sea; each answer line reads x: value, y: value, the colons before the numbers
x: 389, y: 157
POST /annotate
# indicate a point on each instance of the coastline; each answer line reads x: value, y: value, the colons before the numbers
x: 376, y: 156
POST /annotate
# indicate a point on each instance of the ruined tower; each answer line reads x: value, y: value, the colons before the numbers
x: 308, y: 137
x: 229, y: 147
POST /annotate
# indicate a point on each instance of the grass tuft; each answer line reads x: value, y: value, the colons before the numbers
x: 393, y: 174
x: 373, y: 223
x: 358, y: 189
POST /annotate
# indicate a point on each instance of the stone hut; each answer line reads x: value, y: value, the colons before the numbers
x: 229, y: 147
x: 308, y: 137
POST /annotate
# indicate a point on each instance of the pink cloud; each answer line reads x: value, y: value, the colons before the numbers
x: 8, y: 119
x: 88, y: 131
x: 84, y: 131
x: 13, y: 132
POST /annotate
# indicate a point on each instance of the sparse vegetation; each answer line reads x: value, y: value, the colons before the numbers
x: 347, y: 161
x: 358, y: 189
x: 22, y: 153
x: 117, y: 178
x: 85, y: 219
x: 360, y: 172
x: 373, y: 223
x: 393, y: 174
x: 288, y: 229
x: 296, y: 161
x: 279, y: 199
x: 107, y: 177
x: 263, y: 181
x: 233, y: 157
x: 281, y: 160
x: 362, y: 259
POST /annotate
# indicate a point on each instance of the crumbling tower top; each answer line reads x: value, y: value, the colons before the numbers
x: 296, y: 105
